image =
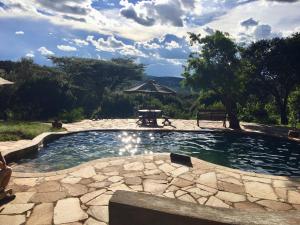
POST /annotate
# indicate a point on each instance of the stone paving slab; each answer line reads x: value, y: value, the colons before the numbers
x: 85, y: 199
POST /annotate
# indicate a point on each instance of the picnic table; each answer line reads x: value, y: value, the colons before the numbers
x: 149, y: 116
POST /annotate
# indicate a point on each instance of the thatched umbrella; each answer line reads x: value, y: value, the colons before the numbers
x: 151, y: 87
x: 5, y: 82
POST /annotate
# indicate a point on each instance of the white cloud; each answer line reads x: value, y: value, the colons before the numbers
x: 111, y: 44
x: 20, y: 32
x: 30, y: 54
x: 80, y: 43
x: 172, y: 44
x: 66, y: 48
x: 262, y: 20
x: 45, y: 52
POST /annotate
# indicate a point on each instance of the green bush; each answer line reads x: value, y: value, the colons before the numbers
x: 72, y: 116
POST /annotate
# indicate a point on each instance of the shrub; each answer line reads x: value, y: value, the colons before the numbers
x: 74, y: 115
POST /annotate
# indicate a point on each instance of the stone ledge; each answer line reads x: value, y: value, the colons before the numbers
x: 128, y: 208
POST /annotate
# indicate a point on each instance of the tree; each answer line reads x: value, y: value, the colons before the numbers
x: 92, y: 78
x: 274, y: 68
x: 216, y: 69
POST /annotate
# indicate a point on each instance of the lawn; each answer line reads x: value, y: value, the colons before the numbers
x: 13, y: 131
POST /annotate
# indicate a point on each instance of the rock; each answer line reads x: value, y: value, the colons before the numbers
x: 12, y: 220
x: 249, y: 206
x: 180, y: 193
x: 161, y: 176
x: 101, y: 184
x: 132, y: 174
x: 16, y: 208
x: 135, y: 166
x: 179, y: 182
x: 294, y: 197
x: 260, y: 190
x: 101, y: 165
x: 187, y: 176
x: 152, y: 172
x: 202, y: 200
x: 85, y: 172
x: 100, y: 200
x: 179, y: 171
x: 86, y: 181
x: 71, y: 180
x: 169, y: 194
x: 47, y: 197
x: 153, y: 187
x: 208, y: 189
x: 115, y: 179
x: 215, y: 202
x: 89, y: 196
x: 283, y: 183
x: 68, y: 210
x: 167, y: 168
x: 48, y: 186
x: 133, y: 180
x: 99, y: 177
x: 208, y: 179
x: 257, y: 179
x: 121, y: 187
x: 75, y: 189
x: 22, y: 197
x: 281, y: 193
x: 91, y: 221
x: 150, y: 166
x: 26, y: 181
x: 136, y: 187
x: 187, y: 198
x: 99, y: 212
x: 275, y: 205
x: 200, y: 192
x: 56, y: 177
x: 42, y: 215
x: 230, y: 197
x: 230, y: 187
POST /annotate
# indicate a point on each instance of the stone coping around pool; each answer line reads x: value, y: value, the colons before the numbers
x: 139, y: 157
x: 80, y: 195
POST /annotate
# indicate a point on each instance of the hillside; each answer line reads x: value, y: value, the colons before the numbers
x: 171, y: 82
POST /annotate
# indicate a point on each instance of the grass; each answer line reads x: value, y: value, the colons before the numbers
x: 17, y: 130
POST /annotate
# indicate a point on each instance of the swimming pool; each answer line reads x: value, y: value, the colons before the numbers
x: 249, y: 152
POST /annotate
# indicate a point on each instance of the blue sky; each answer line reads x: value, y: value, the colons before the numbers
x: 154, y: 32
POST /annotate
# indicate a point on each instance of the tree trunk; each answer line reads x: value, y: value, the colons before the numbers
x: 231, y: 109
x: 283, y: 115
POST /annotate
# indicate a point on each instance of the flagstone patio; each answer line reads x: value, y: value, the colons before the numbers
x: 80, y: 195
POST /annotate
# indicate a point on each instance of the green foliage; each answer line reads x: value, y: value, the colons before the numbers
x: 43, y: 93
x: 255, y: 111
x: 217, y: 70
x: 294, y: 106
x: 74, y: 115
x: 13, y: 131
x: 273, y: 68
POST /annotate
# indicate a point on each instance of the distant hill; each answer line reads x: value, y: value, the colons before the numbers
x: 171, y: 82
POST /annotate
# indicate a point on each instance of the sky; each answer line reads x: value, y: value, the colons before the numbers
x: 153, y: 32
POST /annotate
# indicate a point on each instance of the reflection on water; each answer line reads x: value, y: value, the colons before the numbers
x: 255, y: 153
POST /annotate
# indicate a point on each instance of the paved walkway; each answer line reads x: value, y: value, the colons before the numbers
x: 80, y: 195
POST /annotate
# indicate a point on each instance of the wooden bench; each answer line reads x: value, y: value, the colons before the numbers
x: 214, y: 115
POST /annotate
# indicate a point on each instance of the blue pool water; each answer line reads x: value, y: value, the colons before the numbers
x: 256, y: 153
